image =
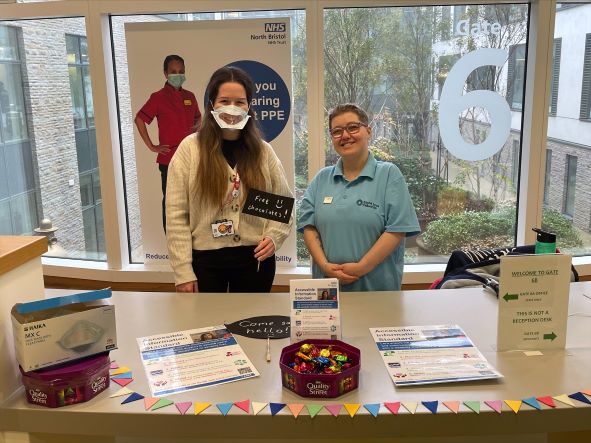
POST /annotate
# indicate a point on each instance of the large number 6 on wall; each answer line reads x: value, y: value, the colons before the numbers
x: 453, y: 103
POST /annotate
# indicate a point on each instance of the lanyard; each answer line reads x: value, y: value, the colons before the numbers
x: 235, y: 188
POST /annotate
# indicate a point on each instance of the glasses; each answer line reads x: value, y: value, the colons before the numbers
x: 351, y: 128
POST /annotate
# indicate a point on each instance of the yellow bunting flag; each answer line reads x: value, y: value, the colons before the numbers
x: 257, y: 407
x: 200, y: 407
x: 120, y: 370
x: 514, y: 405
x: 410, y: 406
x: 352, y: 408
x: 564, y: 399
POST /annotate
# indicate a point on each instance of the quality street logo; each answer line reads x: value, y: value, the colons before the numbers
x: 317, y: 388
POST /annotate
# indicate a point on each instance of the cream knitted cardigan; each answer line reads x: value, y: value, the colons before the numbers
x: 188, y: 219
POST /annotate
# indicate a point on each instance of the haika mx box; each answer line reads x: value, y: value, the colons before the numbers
x: 61, y: 329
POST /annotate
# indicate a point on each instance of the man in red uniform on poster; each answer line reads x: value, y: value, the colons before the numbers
x: 178, y: 115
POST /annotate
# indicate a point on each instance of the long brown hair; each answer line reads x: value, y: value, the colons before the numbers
x: 212, y: 178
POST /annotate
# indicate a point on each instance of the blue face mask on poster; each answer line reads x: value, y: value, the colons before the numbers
x: 176, y: 80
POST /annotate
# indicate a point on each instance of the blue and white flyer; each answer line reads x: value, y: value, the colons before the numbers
x: 186, y: 360
x: 315, y: 311
x: 416, y: 355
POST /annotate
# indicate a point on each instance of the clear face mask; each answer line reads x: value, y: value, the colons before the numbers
x: 230, y: 117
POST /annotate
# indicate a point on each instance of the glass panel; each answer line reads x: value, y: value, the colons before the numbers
x: 84, y: 51
x: 47, y: 100
x: 299, y: 111
x: 5, y: 218
x: 570, y: 185
x: 4, y: 192
x: 78, y: 108
x: 88, y: 97
x: 96, y: 186
x: 86, y: 198
x: 567, y: 208
x: 83, y: 151
x: 396, y: 63
x: 13, y: 126
x: 518, y: 79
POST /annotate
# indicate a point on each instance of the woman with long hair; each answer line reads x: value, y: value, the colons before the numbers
x: 213, y: 246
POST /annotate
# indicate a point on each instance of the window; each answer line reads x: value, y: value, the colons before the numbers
x: 555, y: 76
x: 547, y: 176
x: 387, y: 61
x: 586, y: 88
x: 48, y: 158
x: 569, y: 137
x: 83, y: 115
x: 18, y: 193
x: 570, y: 183
x: 127, y: 114
x: 516, y: 77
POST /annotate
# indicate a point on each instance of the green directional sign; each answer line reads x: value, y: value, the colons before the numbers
x: 508, y: 297
x: 550, y: 336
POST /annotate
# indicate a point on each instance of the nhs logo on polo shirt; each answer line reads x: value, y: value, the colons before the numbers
x: 367, y: 204
x: 274, y: 27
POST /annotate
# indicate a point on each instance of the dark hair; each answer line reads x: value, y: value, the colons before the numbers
x: 211, y: 170
x: 347, y: 107
x: 172, y: 58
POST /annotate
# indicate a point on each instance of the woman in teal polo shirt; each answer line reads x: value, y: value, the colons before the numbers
x: 356, y: 214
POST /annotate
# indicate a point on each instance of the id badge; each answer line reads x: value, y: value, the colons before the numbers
x: 222, y: 228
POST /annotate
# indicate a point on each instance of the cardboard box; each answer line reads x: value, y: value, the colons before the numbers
x: 61, y: 329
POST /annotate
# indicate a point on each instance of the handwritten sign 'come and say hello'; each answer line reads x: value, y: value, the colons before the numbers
x: 269, y: 206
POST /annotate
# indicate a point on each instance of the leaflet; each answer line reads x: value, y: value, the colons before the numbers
x: 315, y: 311
x: 186, y: 360
x: 416, y: 355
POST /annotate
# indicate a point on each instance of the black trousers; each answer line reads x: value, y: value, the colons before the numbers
x: 232, y: 269
x: 163, y: 176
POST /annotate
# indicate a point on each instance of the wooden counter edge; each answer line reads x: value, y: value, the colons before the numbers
x: 17, y: 250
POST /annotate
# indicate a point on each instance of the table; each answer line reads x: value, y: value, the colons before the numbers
x: 141, y: 314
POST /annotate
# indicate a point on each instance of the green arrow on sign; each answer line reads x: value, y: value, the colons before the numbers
x: 508, y: 296
x: 550, y: 337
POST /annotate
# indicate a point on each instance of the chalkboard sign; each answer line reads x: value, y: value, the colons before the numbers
x: 270, y: 206
x: 272, y: 326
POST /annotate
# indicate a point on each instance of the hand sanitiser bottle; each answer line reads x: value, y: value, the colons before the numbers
x: 545, y: 242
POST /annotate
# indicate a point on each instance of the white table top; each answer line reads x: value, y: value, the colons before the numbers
x: 141, y: 314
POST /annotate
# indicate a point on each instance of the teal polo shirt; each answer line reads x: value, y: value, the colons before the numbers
x: 351, y: 215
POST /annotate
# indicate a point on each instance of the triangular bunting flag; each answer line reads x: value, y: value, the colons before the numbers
x: 224, y: 408
x: 514, y: 405
x: 587, y: 392
x: 122, y: 375
x: 244, y: 405
x: 580, y: 397
x: 121, y: 392
x: 495, y: 405
x: 295, y: 408
x: 333, y: 409
x: 531, y: 401
x: 431, y: 406
x: 122, y: 381
x: 352, y: 408
x: 161, y: 403
x: 453, y: 406
x: 120, y: 370
x: 183, y: 407
x: 547, y: 400
x: 313, y: 410
x: 473, y: 405
x: 393, y: 407
x: 258, y: 407
x: 373, y: 408
x: 114, y: 365
x: 200, y: 407
x: 564, y: 399
x: 133, y: 397
x: 410, y: 406
x: 150, y: 401
x: 275, y: 408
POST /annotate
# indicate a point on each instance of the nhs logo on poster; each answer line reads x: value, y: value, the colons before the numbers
x: 274, y: 27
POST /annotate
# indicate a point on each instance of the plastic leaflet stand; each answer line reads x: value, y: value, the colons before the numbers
x: 68, y: 383
x: 56, y: 330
